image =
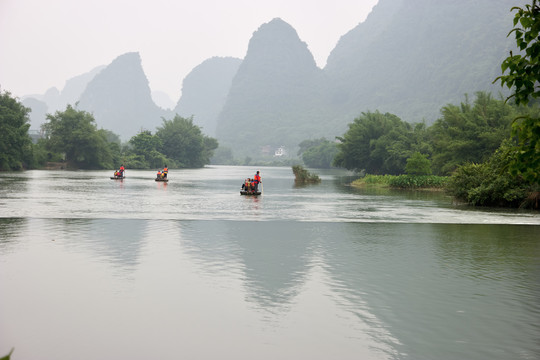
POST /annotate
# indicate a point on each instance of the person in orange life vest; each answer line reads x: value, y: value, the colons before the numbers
x: 257, y: 180
x: 121, y: 170
x: 164, y: 172
x: 158, y: 174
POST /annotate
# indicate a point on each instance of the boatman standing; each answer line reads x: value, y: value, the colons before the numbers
x: 257, y: 180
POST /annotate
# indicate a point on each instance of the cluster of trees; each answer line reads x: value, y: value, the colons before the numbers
x: 177, y: 142
x: 15, y: 144
x: 477, y: 145
x: 380, y: 143
x: 72, y: 136
x: 318, y: 153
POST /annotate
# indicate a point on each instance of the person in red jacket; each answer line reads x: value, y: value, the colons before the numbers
x: 257, y: 180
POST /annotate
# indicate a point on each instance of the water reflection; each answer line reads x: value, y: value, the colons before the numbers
x: 438, y: 290
x: 10, y: 230
x: 318, y: 272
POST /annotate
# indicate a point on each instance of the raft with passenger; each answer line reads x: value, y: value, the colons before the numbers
x: 162, y: 175
x: 251, y: 186
x: 119, y: 174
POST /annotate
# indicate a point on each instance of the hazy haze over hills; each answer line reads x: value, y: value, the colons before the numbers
x: 120, y: 99
x: 409, y: 57
x: 205, y: 90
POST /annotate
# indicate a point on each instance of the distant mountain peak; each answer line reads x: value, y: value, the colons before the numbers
x: 120, y: 98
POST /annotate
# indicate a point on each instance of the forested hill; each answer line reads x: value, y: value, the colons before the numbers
x: 270, y: 96
x: 120, y: 99
x: 204, y: 91
x: 410, y: 58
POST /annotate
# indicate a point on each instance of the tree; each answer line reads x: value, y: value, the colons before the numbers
x: 15, y: 143
x: 184, y: 142
x: 376, y: 142
x: 74, y: 133
x: 469, y: 133
x: 145, y: 152
x: 524, y: 76
x: 487, y: 184
x: 318, y: 153
x: 418, y: 164
x: 307, y: 144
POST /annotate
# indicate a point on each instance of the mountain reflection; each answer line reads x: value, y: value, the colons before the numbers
x: 115, y: 242
x: 273, y: 257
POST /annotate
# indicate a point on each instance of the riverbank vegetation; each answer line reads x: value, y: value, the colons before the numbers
x: 70, y: 139
x: 413, y: 182
x: 473, y: 152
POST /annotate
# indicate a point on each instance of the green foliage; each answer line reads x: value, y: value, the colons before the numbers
x: 524, y: 69
x: 469, y: 133
x: 418, y: 164
x: 418, y: 181
x: 8, y: 356
x: 15, y: 143
x: 318, y: 153
x: 403, y: 181
x: 145, y: 152
x: 307, y: 144
x: 184, y: 142
x: 302, y: 176
x: 377, y: 143
x: 370, y: 179
x: 524, y: 77
x: 73, y: 132
x: 489, y: 184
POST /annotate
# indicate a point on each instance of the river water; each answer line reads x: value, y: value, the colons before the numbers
x: 134, y: 269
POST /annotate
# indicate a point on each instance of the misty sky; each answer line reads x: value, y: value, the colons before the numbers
x: 43, y: 43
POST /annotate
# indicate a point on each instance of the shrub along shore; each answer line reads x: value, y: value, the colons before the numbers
x: 413, y: 182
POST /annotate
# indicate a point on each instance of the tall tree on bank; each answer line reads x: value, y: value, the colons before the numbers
x: 74, y: 133
x: 185, y: 143
x: 15, y: 144
x: 469, y: 132
x: 145, y: 152
x: 523, y: 75
x: 377, y: 143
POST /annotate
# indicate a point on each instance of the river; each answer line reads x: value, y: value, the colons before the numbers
x: 135, y: 269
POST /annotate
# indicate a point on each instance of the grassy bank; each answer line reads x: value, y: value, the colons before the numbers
x: 431, y: 182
